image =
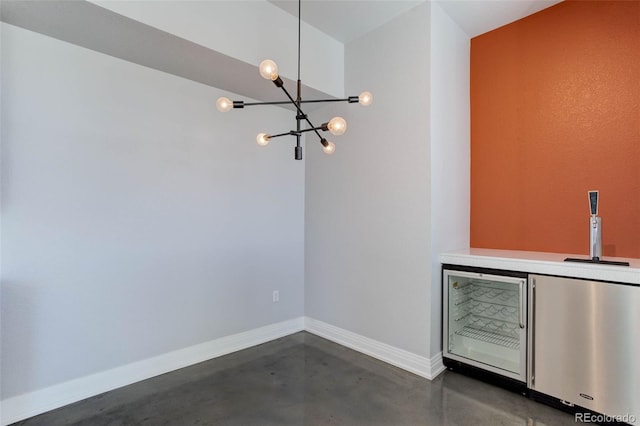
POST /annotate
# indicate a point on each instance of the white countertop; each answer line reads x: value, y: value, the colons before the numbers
x: 545, y: 263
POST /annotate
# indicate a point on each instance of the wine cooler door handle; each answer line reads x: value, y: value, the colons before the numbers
x: 532, y: 325
x: 521, y: 304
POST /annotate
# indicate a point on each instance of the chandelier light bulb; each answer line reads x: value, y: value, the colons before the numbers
x: 337, y: 126
x: 329, y: 149
x: 269, y: 69
x: 365, y: 98
x: 224, y: 104
x: 263, y: 139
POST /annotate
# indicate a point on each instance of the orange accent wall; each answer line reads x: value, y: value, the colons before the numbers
x: 555, y: 112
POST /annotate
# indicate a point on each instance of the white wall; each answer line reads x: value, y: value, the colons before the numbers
x: 450, y: 161
x: 367, y: 224
x: 136, y: 218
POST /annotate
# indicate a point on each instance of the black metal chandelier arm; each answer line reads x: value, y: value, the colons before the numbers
x: 315, y: 129
x: 292, y: 101
x: 242, y: 104
x: 296, y: 132
x: 289, y: 133
x: 350, y: 99
x: 300, y: 112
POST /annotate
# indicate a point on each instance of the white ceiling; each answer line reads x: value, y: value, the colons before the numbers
x: 477, y: 17
x: 346, y: 20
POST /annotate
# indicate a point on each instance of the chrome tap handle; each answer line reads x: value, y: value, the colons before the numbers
x: 593, y: 202
x: 595, y: 228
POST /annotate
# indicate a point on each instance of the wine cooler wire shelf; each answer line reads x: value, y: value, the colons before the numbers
x: 487, y: 294
x: 487, y: 309
x: 486, y: 336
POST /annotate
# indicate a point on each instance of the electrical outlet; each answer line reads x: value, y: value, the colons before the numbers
x: 276, y: 296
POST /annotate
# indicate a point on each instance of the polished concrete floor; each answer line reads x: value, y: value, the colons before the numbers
x: 303, y: 379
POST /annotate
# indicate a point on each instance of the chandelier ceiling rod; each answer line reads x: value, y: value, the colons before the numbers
x: 299, y: 38
x: 336, y: 126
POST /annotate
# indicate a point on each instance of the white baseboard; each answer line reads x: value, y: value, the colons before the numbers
x: 31, y: 404
x: 429, y: 368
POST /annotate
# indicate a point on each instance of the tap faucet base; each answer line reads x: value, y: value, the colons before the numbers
x: 595, y: 238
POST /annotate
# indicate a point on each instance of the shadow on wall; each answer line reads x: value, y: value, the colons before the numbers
x: 17, y: 318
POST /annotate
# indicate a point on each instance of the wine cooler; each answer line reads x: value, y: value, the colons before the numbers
x: 485, y: 322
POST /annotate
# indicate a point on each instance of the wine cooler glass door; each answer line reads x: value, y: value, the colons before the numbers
x: 485, y: 321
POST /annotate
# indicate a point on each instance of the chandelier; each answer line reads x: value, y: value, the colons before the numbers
x: 336, y: 126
